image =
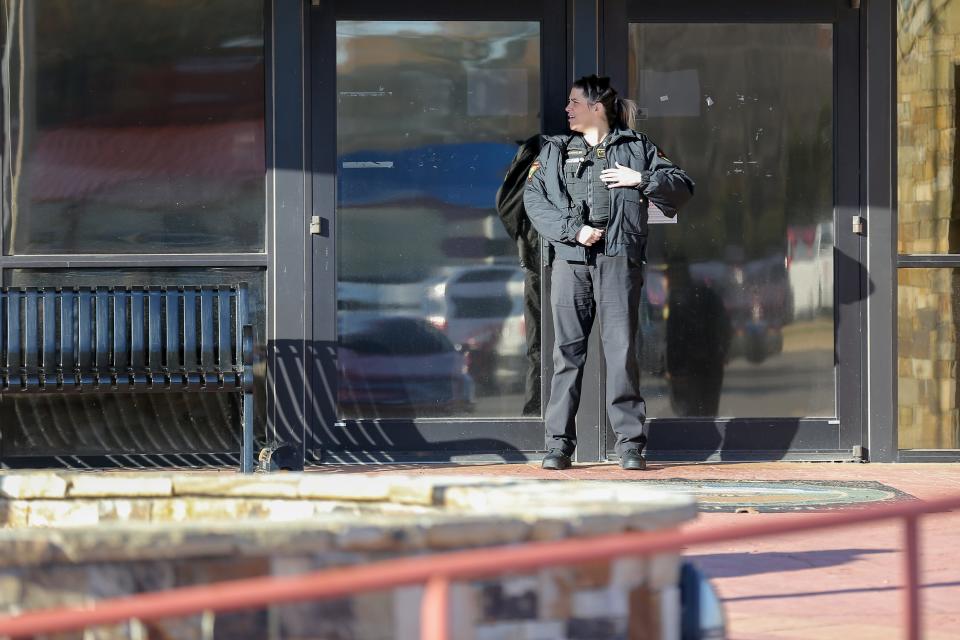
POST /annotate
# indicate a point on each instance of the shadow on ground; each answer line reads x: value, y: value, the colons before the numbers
x: 735, y: 565
x: 835, y: 592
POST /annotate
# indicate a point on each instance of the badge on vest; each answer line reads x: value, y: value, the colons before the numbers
x: 533, y: 170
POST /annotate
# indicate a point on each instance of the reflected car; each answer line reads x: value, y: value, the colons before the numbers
x: 810, y: 269
x: 400, y: 365
x: 653, y: 325
x: 760, y: 303
x: 480, y: 309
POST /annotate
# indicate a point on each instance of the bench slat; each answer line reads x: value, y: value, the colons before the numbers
x: 224, y: 355
x: 138, y: 353
x: 85, y: 329
x: 190, y: 329
x: 13, y: 333
x: 31, y: 334
x: 121, y: 354
x: 68, y: 332
x: 49, y: 302
x: 207, y: 345
x: 173, y: 330
x: 154, y: 339
x: 102, y: 330
x: 240, y: 303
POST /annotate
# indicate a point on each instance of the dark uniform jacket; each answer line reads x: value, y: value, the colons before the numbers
x: 558, y: 218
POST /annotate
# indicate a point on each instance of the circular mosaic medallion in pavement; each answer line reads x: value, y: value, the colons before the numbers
x: 782, y: 495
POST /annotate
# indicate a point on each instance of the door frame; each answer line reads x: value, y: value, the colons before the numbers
x: 842, y: 438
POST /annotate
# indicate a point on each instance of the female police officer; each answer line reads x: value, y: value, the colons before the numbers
x: 588, y: 194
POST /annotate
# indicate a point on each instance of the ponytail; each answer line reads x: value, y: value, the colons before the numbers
x: 626, y: 113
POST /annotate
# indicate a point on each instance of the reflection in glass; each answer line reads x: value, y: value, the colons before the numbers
x: 738, y: 303
x: 133, y: 127
x: 928, y: 348
x: 431, y: 296
x: 92, y: 424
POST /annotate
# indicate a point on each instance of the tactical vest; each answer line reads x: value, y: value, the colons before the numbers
x: 581, y: 175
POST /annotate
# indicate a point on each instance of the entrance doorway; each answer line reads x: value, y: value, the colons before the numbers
x: 428, y: 328
x: 752, y: 314
x: 433, y: 324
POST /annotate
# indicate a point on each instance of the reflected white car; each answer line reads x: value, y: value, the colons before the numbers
x: 810, y: 269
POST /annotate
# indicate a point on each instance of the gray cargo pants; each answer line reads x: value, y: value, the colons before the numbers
x: 610, y: 285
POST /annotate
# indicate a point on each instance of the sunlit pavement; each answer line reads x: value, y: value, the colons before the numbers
x: 841, y: 583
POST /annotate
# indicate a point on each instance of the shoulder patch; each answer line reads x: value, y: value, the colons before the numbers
x: 533, y: 170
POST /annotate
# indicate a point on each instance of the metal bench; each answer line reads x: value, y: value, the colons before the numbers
x: 123, y: 340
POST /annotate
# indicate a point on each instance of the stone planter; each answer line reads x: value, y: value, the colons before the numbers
x: 69, y: 539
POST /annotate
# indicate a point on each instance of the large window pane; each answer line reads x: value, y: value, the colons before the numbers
x: 133, y: 127
x: 927, y: 174
x: 432, y: 299
x: 738, y: 316
x: 134, y: 423
x: 928, y: 348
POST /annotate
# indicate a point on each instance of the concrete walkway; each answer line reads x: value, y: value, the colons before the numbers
x: 841, y: 583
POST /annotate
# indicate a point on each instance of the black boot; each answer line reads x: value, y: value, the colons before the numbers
x: 633, y: 460
x: 555, y: 460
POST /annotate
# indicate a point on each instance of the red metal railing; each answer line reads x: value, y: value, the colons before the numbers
x: 437, y: 572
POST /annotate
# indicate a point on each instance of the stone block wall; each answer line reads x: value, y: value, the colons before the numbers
x: 928, y: 58
x: 627, y: 599
x: 71, y: 539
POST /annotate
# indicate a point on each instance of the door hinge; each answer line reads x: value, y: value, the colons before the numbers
x: 859, y: 225
x: 315, y: 225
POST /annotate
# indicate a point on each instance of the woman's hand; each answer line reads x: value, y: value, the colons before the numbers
x: 587, y: 236
x: 621, y: 176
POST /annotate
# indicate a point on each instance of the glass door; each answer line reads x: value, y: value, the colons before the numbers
x: 751, y: 316
x: 426, y: 324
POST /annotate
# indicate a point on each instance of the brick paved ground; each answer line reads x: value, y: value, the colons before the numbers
x: 835, y: 584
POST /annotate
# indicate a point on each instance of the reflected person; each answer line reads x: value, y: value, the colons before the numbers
x: 517, y: 223
x: 698, y: 341
x: 587, y: 194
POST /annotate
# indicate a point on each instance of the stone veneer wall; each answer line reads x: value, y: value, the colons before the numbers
x: 75, y: 538
x: 928, y: 54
